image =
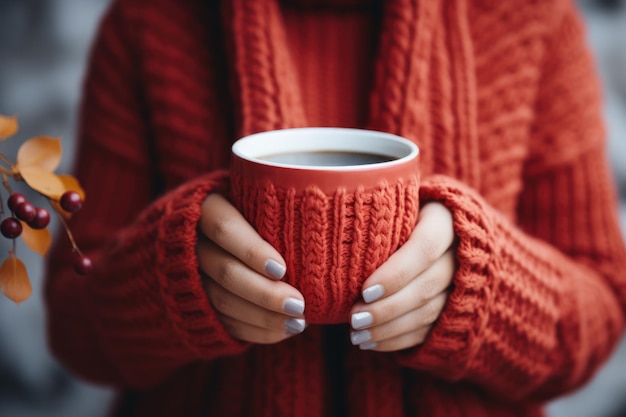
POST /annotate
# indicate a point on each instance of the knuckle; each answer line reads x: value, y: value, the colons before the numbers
x: 429, y: 247
x: 444, y: 266
x: 428, y: 288
x: 270, y: 321
x: 221, y: 303
x: 267, y: 299
x: 251, y: 253
x: 396, y: 278
x: 431, y: 312
x: 449, y: 258
x: 383, y: 332
x: 220, y: 230
x: 449, y: 265
x: 431, y: 315
x: 386, y: 312
x: 227, y: 271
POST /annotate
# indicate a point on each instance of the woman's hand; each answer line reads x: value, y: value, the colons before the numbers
x: 244, y: 273
x: 405, y: 296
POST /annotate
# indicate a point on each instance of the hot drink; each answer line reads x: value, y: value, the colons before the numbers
x: 335, y: 203
x: 327, y: 158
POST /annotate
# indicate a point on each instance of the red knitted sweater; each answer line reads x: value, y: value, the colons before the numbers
x: 502, y: 99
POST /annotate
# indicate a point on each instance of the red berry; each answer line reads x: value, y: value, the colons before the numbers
x: 11, y: 228
x: 41, y: 220
x: 71, y: 201
x: 15, y: 200
x: 83, y: 265
x: 26, y: 212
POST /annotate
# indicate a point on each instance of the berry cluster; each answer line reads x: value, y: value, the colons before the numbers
x: 38, y: 218
x: 35, y: 164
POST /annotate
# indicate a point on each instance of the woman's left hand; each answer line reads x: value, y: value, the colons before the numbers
x: 405, y: 296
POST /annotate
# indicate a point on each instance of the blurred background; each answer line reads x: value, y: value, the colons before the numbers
x: 43, y: 50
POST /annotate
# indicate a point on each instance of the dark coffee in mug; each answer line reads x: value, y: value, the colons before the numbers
x: 327, y: 158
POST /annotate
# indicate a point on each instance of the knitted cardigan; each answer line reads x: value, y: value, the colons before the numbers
x: 502, y: 99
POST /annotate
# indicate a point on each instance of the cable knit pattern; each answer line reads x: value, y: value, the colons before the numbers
x: 259, y: 43
x: 332, y: 243
x: 502, y: 99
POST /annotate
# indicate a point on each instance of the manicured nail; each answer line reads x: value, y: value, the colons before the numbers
x: 368, y: 346
x: 295, y: 326
x: 360, y: 337
x: 362, y: 319
x: 373, y: 293
x: 294, y: 306
x: 274, y: 269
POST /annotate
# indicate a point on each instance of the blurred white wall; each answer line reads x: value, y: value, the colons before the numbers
x: 43, y: 50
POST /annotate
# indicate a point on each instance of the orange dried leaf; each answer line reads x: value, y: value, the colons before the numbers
x: 8, y: 126
x: 41, y: 180
x: 14, y: 280
x: 38, y: 240
x: 43, y: 152
x: 71, y: 184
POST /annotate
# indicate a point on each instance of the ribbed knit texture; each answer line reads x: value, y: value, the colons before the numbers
x: 500, y: 96
x: 345, y: 72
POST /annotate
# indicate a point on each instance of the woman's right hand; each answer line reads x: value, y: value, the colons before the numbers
x: 243, y: 277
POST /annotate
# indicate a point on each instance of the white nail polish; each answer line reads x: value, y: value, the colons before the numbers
x: 274, y: 269
x: 360, y: 336
x: 360, y: 320
x: 373, y: 293
x: 294, y: 306
x: 368, y: 346
x: 295, y: 326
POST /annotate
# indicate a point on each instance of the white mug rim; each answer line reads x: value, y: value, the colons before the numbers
x: 353, y: 140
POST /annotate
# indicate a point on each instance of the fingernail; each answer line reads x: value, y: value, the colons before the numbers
x: 362, y: 319
x: 274, y: 269
x: 373, y: 293
x: 295, y: 326
x: 294, y: 306
x: 360, y: 336
x: 368, y: 346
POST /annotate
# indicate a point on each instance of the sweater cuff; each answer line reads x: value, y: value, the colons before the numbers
x: 452, y: 343
x: 178, y: 272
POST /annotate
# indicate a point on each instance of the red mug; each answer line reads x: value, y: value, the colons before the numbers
x: 335, y: 202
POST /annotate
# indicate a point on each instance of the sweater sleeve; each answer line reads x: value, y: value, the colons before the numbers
x: 537, y: 305
x: 142, y: 313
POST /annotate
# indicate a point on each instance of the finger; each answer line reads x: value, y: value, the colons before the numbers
x: 412, y: 321
x: 432, y: 282
x: 230, y: 305
x: 234, y: 276
x: 432, y: 236
x: 222, y: 223
x: 249, y: 333
x: 405, y: 341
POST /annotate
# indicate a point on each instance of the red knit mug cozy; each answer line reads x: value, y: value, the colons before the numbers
x: 334, y: 225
